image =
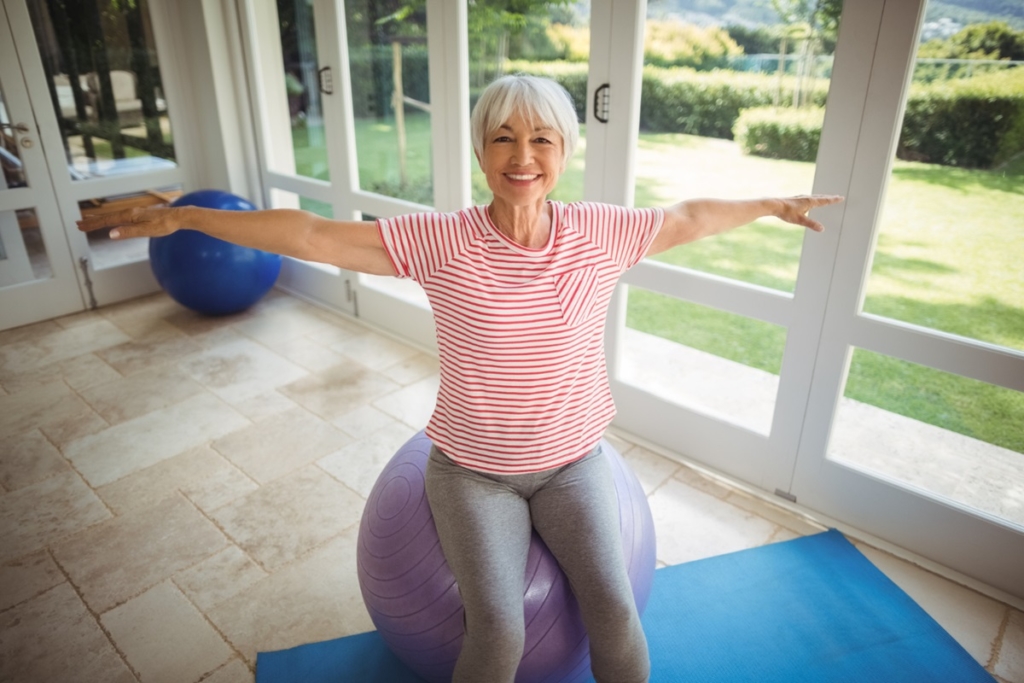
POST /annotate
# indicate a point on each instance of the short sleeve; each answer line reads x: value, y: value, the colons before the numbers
x: 622, y: 233
x: 420, y: 244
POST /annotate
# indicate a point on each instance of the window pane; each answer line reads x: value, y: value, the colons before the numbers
x: 716, y: 362
x: 732, y: 107
x: 950, y: 247
x: 552, y: 41
x: 302, y: 89
x: 22, y: 250
x: 391, y: 98
x: 104, y: 79
x: 951, y: 436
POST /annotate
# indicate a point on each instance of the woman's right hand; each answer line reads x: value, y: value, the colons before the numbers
x: 154, y: 221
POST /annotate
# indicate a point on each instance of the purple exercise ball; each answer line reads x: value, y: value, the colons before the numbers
x: 414, y: 601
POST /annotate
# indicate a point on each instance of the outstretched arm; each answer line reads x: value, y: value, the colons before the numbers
x: 696, y: 218
x: 352, y: 245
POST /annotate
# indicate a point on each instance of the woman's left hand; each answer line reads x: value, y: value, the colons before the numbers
x: 794, y: 209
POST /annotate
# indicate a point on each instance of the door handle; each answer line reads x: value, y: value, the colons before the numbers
x: 19, y: 127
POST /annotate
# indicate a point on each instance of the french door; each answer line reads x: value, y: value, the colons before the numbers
x: 852, y: 418
x: 37, y: 271
x: 90, y: 121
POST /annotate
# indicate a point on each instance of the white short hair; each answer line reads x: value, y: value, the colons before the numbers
x: 541, y: 101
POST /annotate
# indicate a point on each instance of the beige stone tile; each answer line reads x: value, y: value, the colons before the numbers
x: 218, y: 578
x: 201, y: 473
x: 197, y: 325
x: 1010, y: 663
x: 971, y: 618
x: 27, y: 577
x: 58, y: 345
x: 234, y: 671
x: 798, y: 524
x: 76, y: 319
x: 338, y: 390
x: 28, y: 333
x: 126, y: 555
x: 307, y: 353
x: 701, y: 481
x: 692, y: 525
x: 164, y: 637
x: 413, y: 369
x: 162, y: 345
x: 52, y: 408
x: 87, y: 371
x: 141, y: 393
x: 314, y: 599
x: 782, y: 534
x: 360, y: 463
x: 241, y: 369
x: 374, y: 350
x: 413, y: 404
x: 28, y: 458
x: 289, y: 517
x: 42, y: 513
x: 285, y: 319
x: 138, y: 317
x: 79, y: 373
x: 363, y: 421
x: 146, y: 440
x: 54, y: 638
x: 279, y: 444
x: 264, y: 405
x: 651, y: 469
x: 341, y: 329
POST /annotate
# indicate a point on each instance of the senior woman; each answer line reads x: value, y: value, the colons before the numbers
x: 519, y: 289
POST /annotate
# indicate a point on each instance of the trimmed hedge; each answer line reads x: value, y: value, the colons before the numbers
x: 972, y: 122
x: 780, y: 133
x: 681, y: 100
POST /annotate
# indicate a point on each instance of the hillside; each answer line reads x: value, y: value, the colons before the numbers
x: 759, y: 12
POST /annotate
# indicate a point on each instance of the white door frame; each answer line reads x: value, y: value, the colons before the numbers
x: 33, y: 300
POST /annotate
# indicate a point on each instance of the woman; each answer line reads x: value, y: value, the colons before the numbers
x: 519, y: 290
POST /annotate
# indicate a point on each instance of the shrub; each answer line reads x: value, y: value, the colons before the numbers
x: 974, y: 122
x: 674, y: 43
x: 780, y: 133
x: 571, y: 42
x: 707, y: 104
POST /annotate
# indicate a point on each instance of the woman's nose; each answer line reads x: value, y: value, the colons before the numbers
x: 521, y: 155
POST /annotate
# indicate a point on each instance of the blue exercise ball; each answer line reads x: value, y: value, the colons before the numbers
x: 209, y: 275
x: 414, y: 601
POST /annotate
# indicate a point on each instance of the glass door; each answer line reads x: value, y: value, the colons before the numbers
x: 103, y: 106
x: 915, y: 425
x: 37, y: 272
x: 732, y: 104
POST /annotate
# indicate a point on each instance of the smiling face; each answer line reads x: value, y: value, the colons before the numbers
x: 522, y: 160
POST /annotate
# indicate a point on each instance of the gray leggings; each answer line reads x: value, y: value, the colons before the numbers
x: 484, y: 522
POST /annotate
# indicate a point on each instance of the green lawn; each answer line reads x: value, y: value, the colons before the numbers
x: 948, y: 258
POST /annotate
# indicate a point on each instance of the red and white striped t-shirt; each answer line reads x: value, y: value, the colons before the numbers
x: 520, y: 331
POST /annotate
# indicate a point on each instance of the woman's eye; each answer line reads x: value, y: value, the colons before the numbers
x: 544, y: 141
x: 502, y: 138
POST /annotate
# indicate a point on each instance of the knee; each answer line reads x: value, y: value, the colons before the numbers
x: 493, y: 626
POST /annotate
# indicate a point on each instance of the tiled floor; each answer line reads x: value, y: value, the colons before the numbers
x: 179, y: 493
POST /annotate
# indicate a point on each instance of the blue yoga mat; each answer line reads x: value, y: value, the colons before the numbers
x: 809, y: 610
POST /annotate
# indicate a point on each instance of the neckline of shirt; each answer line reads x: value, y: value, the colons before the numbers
x: 556, y: 222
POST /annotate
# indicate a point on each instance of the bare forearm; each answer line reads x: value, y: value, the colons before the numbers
x: 696, y: 218
x: 280, y: 231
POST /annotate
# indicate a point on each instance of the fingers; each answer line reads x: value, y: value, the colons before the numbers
x: 135, y: 222
x: 798, y: 207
